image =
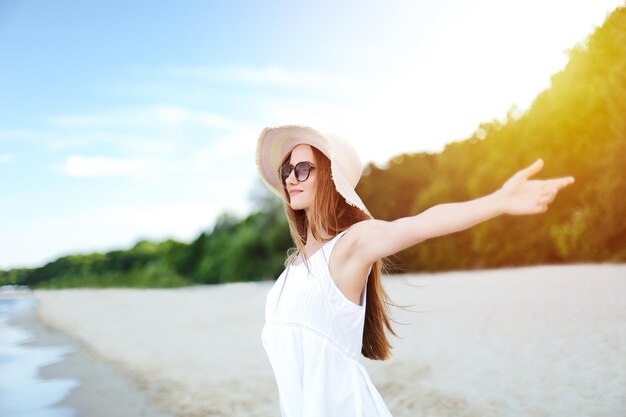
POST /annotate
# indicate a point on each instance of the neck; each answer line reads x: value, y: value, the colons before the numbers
x: 312, y: 242
x: 310, y: 239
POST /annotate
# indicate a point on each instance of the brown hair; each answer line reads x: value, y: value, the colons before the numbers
x: 332, y: 214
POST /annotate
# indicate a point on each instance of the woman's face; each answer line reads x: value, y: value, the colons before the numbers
x: 302, y: 193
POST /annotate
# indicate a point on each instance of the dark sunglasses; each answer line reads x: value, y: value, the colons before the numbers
x: 303, y: 169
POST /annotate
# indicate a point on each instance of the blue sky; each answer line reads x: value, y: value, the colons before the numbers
x: 130, y: 120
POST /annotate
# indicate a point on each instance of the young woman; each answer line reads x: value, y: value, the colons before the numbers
x: 329, y: 306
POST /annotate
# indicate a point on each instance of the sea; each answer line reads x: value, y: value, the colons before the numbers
x: 23, y: 393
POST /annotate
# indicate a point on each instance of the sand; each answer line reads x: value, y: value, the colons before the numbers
x: 541, y: 341
x: 102, y: 389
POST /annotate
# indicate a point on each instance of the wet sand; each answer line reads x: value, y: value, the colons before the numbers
x: 541, y: 341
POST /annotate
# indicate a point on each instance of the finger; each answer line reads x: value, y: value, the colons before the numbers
x: 532, y: 169
x: 559, y: 183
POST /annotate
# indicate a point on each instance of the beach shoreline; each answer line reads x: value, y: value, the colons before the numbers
x: 500, y: 342
x: 103, y: 389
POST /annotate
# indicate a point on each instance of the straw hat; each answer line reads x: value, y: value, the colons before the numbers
x: 276, y: 142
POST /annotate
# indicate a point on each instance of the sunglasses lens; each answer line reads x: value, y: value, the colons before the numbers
x: 302, y: 171
x: 285, y: 170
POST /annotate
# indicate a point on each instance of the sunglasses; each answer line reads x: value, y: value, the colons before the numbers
x: 303, y: 169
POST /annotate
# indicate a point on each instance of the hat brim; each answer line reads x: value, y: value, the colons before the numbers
x: 274, y: 144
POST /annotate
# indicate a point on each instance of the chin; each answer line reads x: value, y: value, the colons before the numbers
x: 298, y: 205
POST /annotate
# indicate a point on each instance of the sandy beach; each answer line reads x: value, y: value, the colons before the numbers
x: 540, y: 341
x: 103, y: 389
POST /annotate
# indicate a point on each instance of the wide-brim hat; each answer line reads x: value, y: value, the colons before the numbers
x: 276, y: 142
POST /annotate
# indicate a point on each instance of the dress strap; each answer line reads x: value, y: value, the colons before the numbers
x: 330, y: 245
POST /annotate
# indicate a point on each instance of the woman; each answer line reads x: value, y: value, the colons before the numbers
x: 329, y: 306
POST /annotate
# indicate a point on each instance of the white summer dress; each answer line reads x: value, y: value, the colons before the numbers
x: 313, y: 337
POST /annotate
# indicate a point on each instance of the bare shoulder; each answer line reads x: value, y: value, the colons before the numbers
x: 351, y: 246
x: 362, y: 232
x: 366, y: 227
x: 371, y: 240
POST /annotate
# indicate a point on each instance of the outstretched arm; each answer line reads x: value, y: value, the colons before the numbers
x: 375, y: 239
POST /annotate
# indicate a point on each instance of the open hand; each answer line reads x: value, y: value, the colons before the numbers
x: 519, y: 195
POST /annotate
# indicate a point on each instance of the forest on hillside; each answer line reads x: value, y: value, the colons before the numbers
x: 577, y: 125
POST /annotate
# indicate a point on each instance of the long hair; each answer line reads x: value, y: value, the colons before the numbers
x: 331, y: 215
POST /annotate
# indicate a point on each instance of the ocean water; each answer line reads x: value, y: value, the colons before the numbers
x: 22, y: 392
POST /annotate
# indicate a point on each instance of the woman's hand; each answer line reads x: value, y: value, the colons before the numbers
x: 519, y: 195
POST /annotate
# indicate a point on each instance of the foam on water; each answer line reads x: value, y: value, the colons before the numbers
x: 22, y: 392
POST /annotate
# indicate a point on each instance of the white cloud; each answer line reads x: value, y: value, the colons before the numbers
x: 175, y: 116
x: 272, y: 76
x: 162, y: 144
x: 239, y: 146
x: 143, y: 144
x: 277, y: 75
x: 102, y: 166
x: 148, y: 117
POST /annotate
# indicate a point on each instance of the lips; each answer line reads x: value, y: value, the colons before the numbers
x: 294, y: 192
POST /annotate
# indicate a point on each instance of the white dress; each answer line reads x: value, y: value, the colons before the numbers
x: 313, y: 337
